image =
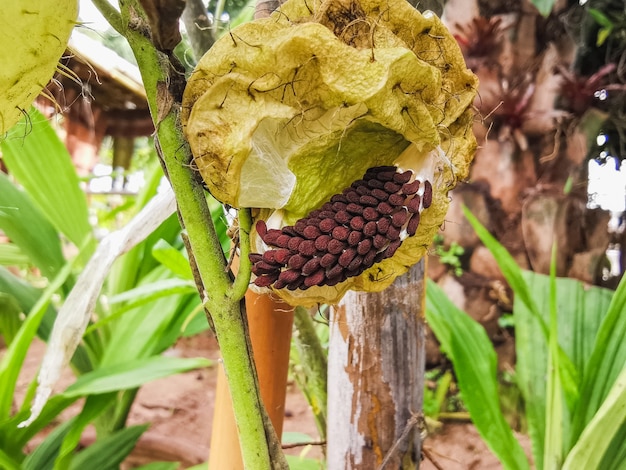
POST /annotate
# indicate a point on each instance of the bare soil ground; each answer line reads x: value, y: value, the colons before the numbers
x: 180, y: 410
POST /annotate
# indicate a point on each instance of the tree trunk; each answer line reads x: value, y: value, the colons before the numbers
x: 376, y: 377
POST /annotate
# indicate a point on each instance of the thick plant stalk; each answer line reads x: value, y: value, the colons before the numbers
x: 224, y: 299
x: 376, y: 368
x: 270, y: 322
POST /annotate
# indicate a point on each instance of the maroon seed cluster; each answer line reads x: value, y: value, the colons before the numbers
x: 363, y: 225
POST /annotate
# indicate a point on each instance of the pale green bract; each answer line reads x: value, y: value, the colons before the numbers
x: 286, y: 111
x: 33, y: 36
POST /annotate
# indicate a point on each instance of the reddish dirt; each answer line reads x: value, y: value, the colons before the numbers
x: 180, y: 409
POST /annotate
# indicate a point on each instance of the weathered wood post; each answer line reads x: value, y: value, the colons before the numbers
x: 376, y: 376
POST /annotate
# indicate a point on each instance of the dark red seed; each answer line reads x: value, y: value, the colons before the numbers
x: 336, y: 246
x: 357, y: 183
x: 364, y: 246
x: 327, y: 207
x: 328, y: 260
x: 384, y: 208
x: 297, y: 284
x: 311, y: 266
x: 411, y: 188
x: 307, y: 248
x: 380, y: 194
x: 379, y: 257
x: 311, y: 232
x: 332, y: 282
x: 357, y: 223
x: 265, y: 280
x: 370, y: 229
x: 413, y: 205
x: 342, y: 217
x: 402, y: 178
x: 355, y: 264
x: 392, y: 248
x: 263, y: 268
x: 396, y: 200
x: 261, y: 228
x: 368, y: 201
x: 411, y: 227
x: 282, y: 241
x: 398, y: 219
x: 375, y: 184
x: 297, y: 261
x: 363, y: 191
x: 315, y: 279
x: 289, y: 230
x: 338, y: 198
x: 327, y: 225
x: 313, y: 221
x: 341, y: 233
x: 282, y: 256
x: 386, y: 175
x: 352, y: 196
x: 346, y: 257
x: 269, y: 256
x: 393, y: 233
x: 255, y: 257
x: 353, y: 208
x: 339, y: 206
x: 300, y: 226
x: 354, y: 237
x: 369, y: 213
x: 289, y: 275
x: 280, y: 284
x: 271, y: 236
x: 334, y: 272
x: 313, y: 214
x: 392, y: 187
x: 294, y: 243
x: 427, y: 198
x: 379, y: 241
x: 321, y: 242
x: 383, y: 225
x: 368, y: 259
x: 326, y: 214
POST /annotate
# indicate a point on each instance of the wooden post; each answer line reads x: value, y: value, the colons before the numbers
x: 376, y: 376
x: 270, y: 323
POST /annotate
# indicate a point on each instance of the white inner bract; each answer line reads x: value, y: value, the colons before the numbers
x: 265, y: 179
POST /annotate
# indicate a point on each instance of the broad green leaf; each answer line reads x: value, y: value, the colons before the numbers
x: 616, y: 453
x: 12, y: 255
x: 15, y: 354
x: 475, y: 365
x: 131, y: 374
x: 172, y: 259
x: 606, y: 362
x: 7, y: 463
x: 161, y: 466
x: 94, y: 406
x: 140, y: 331
x: 27, y: 227
x: 14, y: 438
x: 569, y: 376
x: 39, y: 160
x: 597, y: 435
x: 108, y: 452
x: 544, y: 6
x: 152, y: 291
x: 44, y: 455
x: 553, y: 449
x: 9, y: 317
